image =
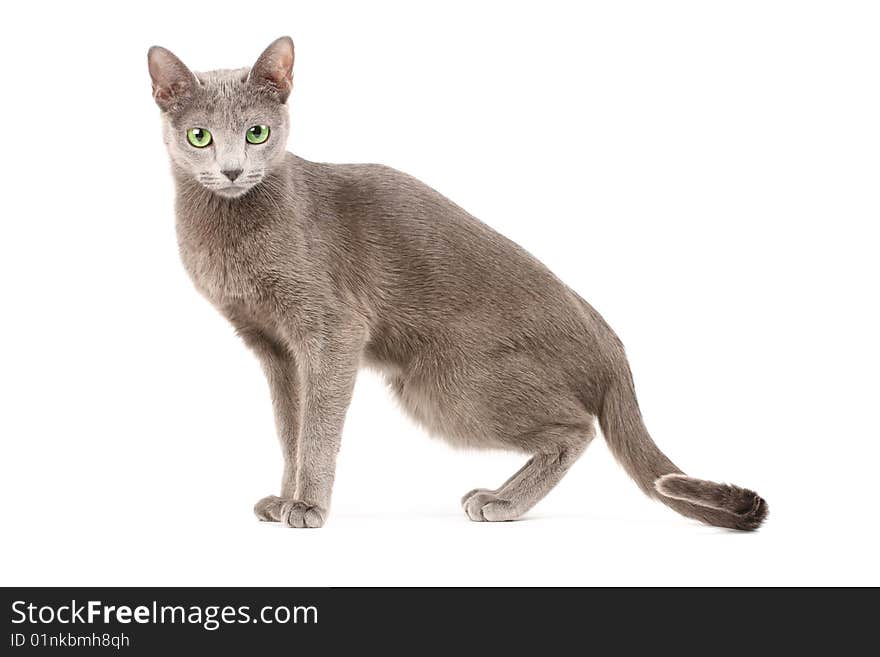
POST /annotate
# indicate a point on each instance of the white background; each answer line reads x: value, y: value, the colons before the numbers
x: 704, y: 173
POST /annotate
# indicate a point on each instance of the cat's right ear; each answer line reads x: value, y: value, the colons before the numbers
x: 172, y: 80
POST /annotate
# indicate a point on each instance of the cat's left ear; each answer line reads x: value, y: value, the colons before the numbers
x: 172, y: 80
x: 274, y: 69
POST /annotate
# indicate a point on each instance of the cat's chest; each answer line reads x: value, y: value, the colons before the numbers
x: 225, y: 270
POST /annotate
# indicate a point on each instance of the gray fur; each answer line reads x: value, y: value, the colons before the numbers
x: 325, y: 268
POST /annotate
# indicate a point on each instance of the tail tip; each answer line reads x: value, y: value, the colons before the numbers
x: 748, y: 509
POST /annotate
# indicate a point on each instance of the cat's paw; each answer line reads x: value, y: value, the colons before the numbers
x: 469, y: 495
x: 268, y: 509
x: 483, y: 505
x: 290, y: 513
x: 301, y: 514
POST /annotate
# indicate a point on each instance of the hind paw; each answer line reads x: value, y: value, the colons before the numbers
x: 470, y: 494
x: 483, y: 505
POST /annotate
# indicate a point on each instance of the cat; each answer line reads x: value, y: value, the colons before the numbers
x: 325, y: 268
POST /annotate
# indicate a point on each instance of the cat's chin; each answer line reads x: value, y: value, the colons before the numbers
x: 232, y: 191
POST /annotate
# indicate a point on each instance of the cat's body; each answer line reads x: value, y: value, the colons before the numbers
x: 466, y: 355
x: 326, y: 268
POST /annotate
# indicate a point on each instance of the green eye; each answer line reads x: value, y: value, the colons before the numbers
x: 257, y: 134
x: 198, y: 137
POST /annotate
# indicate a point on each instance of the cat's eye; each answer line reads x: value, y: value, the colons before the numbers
x: 257, y: 134
x: 198, y: 137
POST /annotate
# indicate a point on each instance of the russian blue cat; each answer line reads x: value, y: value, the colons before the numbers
x: 325, y: 268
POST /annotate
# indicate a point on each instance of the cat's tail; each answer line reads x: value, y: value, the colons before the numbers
x: 722, y: 505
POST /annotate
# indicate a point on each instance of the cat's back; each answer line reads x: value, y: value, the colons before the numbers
x: 428, y: 260
x: 406, y: 218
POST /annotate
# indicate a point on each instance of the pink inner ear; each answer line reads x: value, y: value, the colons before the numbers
x: 284, y: 70
x: 170, y: 91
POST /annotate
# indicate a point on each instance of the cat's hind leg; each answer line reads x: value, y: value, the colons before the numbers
x: 534, y: 480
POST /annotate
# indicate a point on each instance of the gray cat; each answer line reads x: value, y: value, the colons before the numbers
x: 324, y: 268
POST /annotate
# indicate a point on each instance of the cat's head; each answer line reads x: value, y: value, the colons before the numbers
x: 226, y: 129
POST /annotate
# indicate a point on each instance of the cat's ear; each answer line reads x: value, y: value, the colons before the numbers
x: 172, y: 80
x: 274, y: 69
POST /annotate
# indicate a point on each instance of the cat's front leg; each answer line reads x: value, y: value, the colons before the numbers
x: 282, y: 374
x: 327, y: 368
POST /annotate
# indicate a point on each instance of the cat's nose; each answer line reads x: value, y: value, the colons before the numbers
x: 232, y: 174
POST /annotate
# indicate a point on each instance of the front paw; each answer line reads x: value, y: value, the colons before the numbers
x: 268, y: 509
x: 290, y: 513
